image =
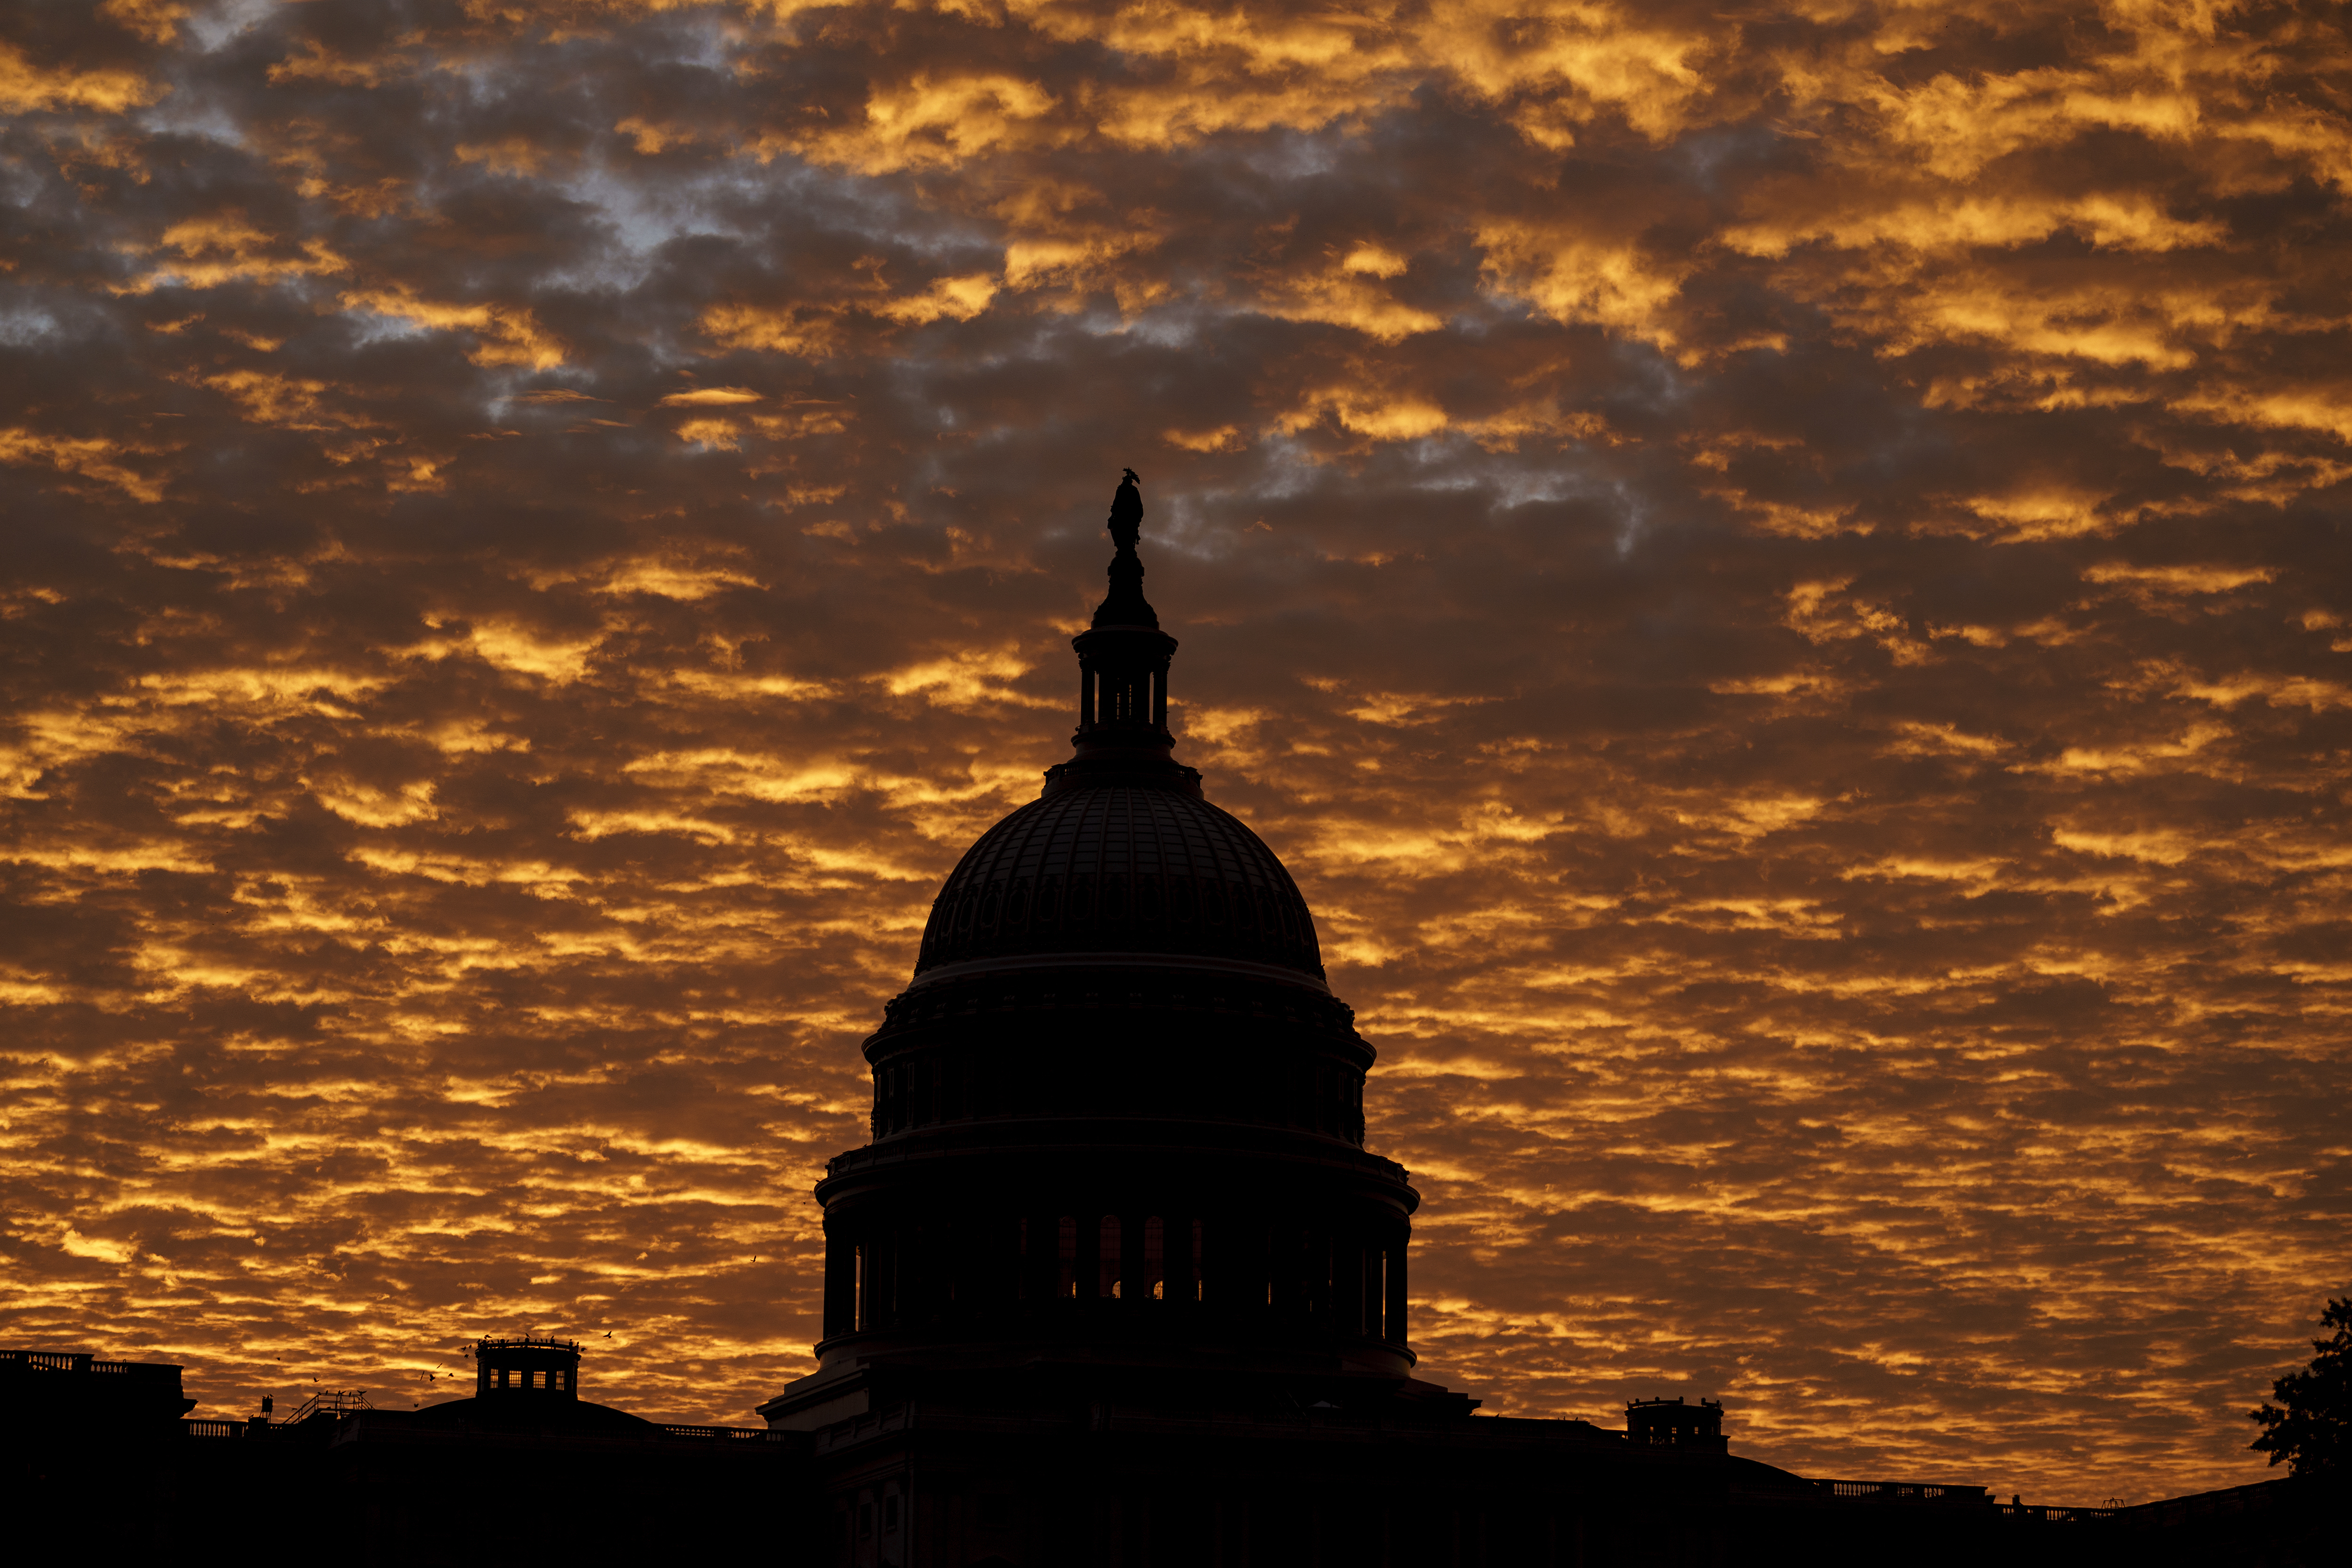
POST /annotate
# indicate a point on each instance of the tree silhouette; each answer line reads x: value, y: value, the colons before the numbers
x: 2315, y: 1430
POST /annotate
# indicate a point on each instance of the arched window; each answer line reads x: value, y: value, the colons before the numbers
x: 1106, y: 1265
x: 1155, y: 1258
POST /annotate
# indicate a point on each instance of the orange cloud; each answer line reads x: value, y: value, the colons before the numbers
x: 92, y: 457
x: 26, y: 87
x: 504, y: 334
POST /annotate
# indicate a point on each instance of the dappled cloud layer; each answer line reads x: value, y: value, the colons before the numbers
x: 1780, y: 577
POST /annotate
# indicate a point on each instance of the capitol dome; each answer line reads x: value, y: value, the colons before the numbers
x: 1118, y: 1113
x: 1120, y: 871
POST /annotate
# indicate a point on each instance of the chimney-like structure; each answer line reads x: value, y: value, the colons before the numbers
x: 527, y: 1367
x: 1671, y: 1424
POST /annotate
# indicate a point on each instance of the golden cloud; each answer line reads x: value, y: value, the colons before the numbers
x: 931, y: 121
x: 228, y: 249
x: 504, y: 334
x: 709, y: 396
x: 1572, y: 279
x: 789, y: 328
x: 92, y: 457
x: 26, y: 87
x: 948, y: 298
x: 157, y: 21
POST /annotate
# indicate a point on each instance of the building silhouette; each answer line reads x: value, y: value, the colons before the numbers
x: 1114, y: 1282
x: 523, y: 1471
x: 1117, y: 1280
x: 1118, y: 1113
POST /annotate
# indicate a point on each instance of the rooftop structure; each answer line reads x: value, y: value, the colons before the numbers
x: 78, y: 1387
x: 528, y: 1366
x: 1671, y: 1424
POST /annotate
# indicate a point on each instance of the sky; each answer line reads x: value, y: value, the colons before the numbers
x: 1779, y: 575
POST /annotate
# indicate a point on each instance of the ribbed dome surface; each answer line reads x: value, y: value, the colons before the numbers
x: 1119, y: 868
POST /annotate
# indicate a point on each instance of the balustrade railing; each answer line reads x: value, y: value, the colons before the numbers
x: 729, y: 1434
x: 1904, y: 1491
x: 195, y: 1427
x: 2055, y: 1513
x: 85, y: 1362
x: 1943, y: 1494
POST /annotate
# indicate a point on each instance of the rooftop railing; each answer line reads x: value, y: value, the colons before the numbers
x: 1945, y: 1494
x: 2054, y: 1514
x: 1904, y: 1492
x: 335, y: 1401
x: 195, y: 1427
x: 729, y: 1434
x: 85, y: 1362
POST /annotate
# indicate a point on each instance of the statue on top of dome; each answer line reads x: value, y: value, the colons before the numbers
x: 1127, y: 514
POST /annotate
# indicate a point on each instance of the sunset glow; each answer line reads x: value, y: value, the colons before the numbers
x: 1779, y: 577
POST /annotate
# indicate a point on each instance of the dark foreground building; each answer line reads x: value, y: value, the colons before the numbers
x: 103, y: 1466
x: 1116, y: 1282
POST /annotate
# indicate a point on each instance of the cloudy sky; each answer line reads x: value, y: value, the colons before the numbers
x: 1779, y: 575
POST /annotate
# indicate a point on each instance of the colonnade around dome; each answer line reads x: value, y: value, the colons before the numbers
x: 1128, y: 1272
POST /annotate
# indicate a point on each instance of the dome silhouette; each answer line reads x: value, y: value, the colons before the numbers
x: 1118, y: 1115
x: 1120, y: 868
